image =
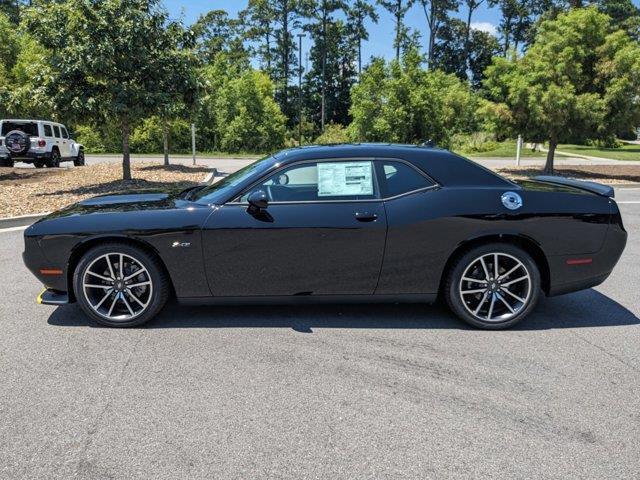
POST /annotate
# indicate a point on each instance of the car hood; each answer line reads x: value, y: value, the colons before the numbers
x: 135, y: 200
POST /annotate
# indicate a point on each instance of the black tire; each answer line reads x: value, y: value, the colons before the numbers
x: 79, y: 160
x: 156, y: 274
x: 494, y: 290
x: 6, y: 162
x: 17, y: 142
x: 54, y: 161
x: 38, y: 164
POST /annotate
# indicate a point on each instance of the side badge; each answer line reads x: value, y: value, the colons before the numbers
x: 511, y: 200
x: 181, y: 244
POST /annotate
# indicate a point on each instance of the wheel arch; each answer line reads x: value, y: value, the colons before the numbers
x: 527, y: 244
x: 83, y: 247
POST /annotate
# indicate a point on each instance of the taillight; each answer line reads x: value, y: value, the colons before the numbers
x: 42, y: 142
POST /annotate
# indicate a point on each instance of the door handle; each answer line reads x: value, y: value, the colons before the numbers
x: 366, y: 216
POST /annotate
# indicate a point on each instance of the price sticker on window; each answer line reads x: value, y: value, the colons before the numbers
x: 345, y: 179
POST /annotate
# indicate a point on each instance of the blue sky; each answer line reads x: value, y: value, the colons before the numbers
x: 381, y: 35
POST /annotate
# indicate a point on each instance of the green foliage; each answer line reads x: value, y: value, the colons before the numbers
x: 402, y: 102
x: 578, y: 80
x: 148, y: 136
x: 246, y: 116
x: 334, y: 133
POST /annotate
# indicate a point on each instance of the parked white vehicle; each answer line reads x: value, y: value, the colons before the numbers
x: 39, y: 142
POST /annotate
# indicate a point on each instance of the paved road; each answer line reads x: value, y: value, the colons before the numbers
x: 325, y: 392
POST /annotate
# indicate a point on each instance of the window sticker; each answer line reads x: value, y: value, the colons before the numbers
x: 345, y: 178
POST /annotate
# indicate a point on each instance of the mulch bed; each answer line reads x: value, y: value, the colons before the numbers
x: 29, y: 191
x: 612, y: 174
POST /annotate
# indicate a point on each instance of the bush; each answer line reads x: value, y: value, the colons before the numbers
x: 478, y: 142
x: 334, y: 133
x: 91, y: 138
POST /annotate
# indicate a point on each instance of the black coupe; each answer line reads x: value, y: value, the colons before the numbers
x: 356, y: 223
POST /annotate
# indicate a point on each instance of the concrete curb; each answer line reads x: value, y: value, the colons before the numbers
x: 21, y: 220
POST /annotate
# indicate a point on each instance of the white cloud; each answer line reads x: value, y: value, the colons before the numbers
x: 485, y: 27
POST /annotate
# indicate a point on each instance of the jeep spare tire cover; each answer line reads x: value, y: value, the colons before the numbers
x: 17, y: 142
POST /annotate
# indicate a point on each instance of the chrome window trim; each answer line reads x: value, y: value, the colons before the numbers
x: 346, y: 159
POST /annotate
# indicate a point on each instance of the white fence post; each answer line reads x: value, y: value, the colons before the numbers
x: 518, y: 148
x: 193, y: 142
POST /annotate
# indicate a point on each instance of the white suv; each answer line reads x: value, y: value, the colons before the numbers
x: 39, y: 142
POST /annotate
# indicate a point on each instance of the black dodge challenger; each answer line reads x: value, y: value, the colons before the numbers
x: 355, y: 223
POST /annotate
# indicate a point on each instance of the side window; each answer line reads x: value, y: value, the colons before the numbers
x: 397, y: 178
x: 65, y: 134
x: 56, y: 130
x: 47, y: 130
x: 321, y: 181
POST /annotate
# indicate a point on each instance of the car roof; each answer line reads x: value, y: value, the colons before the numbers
x: 29, y: 120
x: 445, y: 167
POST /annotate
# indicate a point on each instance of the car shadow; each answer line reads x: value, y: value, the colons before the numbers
x: 583, y: 309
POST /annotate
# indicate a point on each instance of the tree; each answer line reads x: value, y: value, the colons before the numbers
x: 216, y: 32
x: 330, y: 86
x: 398, y: 8
x: 259, y: 17
x: 402, y: 102
x: 357, y: 14
x: 466, y: 57
x: 579, y: 79
x: 321, y: 11
x: 437, y: 15
x: 247, y: 117
x: 113, y: 59
x: 287, y: 14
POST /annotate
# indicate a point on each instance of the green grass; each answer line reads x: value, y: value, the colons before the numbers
x: 506, y: 149
x: 626, y: 152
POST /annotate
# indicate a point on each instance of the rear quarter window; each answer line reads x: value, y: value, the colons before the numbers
x: 397, y: 178
x: 47, y: 131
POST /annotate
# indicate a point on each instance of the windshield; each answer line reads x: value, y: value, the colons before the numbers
x: 220, y: 191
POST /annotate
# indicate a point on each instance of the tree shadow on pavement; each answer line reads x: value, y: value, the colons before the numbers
x: 584, y: 309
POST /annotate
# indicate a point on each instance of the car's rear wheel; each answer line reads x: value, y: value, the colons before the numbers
x: 6, y: 162
x: 120, y: 285
x: 493, y: 286
x: 54, y: 161
x: 38, y: 164
x: 79, y: 160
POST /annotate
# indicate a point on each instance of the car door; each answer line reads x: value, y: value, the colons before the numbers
x: 322, y: 233
x: 65, y: 143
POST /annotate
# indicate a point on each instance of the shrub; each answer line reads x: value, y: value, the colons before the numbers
x: 334, y: 133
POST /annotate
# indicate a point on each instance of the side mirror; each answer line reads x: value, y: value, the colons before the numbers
x: 258, y: 200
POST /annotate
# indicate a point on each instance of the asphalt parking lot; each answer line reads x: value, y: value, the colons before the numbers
x: 323, y: 392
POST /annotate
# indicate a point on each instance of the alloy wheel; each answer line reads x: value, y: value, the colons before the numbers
x: 117, y: 286
x: 495, y: 287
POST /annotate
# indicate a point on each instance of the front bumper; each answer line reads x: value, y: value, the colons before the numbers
x: 53, y: 297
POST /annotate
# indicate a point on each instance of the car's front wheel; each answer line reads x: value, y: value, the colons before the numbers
x: 493, y: 286
x: 120, y: 285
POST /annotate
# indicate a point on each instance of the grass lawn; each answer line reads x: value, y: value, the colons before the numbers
x: 626, y: 152
x: 506, y: 149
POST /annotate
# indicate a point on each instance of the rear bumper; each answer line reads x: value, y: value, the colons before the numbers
x: 571, y: 273
x: 29, y: 157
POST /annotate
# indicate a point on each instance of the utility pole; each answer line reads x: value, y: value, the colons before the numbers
x: 300, y: 37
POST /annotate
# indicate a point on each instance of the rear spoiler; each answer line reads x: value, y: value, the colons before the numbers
x: 593, y: 187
